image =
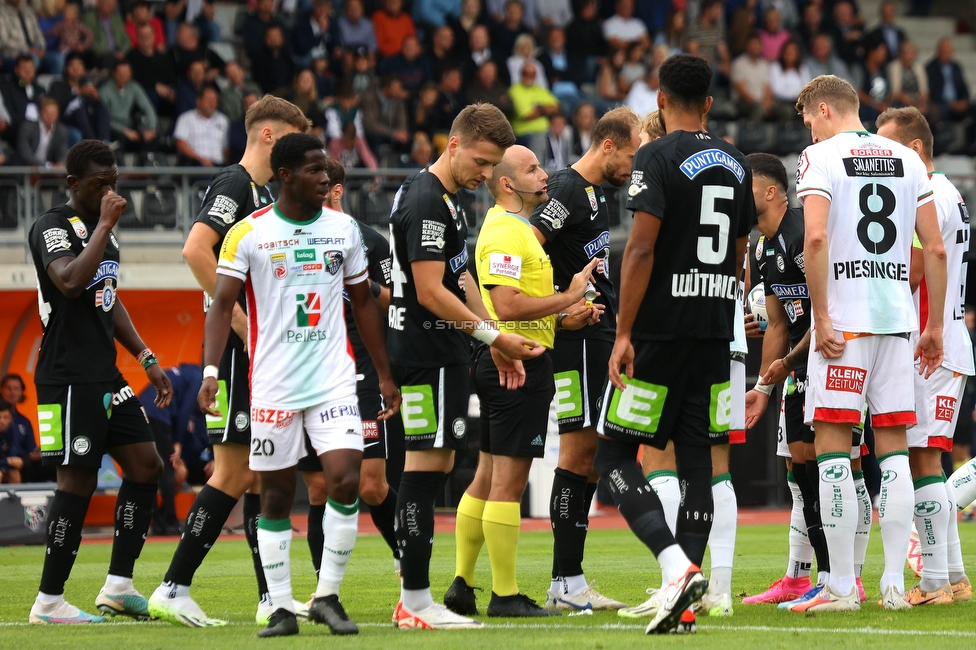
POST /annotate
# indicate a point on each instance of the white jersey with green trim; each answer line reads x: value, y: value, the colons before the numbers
x: 739, y: 342
x: 875, y: 186
x: 294, y: 273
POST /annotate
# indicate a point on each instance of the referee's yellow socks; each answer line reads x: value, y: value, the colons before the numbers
x: 469, y: 535
x: 502, y: 520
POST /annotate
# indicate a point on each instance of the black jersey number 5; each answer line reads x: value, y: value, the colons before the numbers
x: 877, y: 204
x: 713, y: 248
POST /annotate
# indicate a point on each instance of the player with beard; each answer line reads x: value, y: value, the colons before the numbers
x: 573, y: 227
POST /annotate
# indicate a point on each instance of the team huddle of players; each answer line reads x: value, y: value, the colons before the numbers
x: 300, y: 373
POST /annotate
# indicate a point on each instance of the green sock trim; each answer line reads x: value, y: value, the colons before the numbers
x: 661, y: 473
x: 344, y: 509
x: 922, y: 481
x: 721, y: 477
x: 903, y: 452
x: 858, y: 474
x: 789, y: 477
x: 834, y: 455
x: 274, y: 525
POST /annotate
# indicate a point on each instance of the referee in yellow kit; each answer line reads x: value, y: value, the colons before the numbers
x: 517, y: 289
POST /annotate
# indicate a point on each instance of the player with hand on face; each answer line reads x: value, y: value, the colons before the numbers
x: 517, y: 289
x: 302, y: 375
x: 82, y: 398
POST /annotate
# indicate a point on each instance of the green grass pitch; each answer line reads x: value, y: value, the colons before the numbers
x: 623, y: 568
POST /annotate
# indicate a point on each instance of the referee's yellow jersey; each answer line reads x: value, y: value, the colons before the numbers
x: 508, y: 254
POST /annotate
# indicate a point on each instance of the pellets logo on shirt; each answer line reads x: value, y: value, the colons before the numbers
x: 846, y: 379
x: 308, y: 309
x: 945, y: 408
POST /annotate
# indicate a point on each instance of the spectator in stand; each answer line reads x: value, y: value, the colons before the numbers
x: 524, y: 52
x: 254, y: 27
x: 82, y: 111
x: 189, y: 87
x: 846, y: 34
x: 141, y: 15
x: 505, y: 33
x: 352, y: 150
x: 441, y: 56
x: 709, y: 31
x: 21, y: 95
x: 43, y: 143
x: 742, y: 24
x: 425, y: 116
x: 392, y: 25
x: 623, y: 28
x: 633, y: 68
x: 72, y: 34
x: 562, y: 78
x: 188, y: 48
x: 50, y: 14
x: 421, y: 152
x: 948, y: 90
x: 345, y: 110
x: 20, y: 34
x: 154, y: 70
x: 532, y: 108
x: 674, y: 32
x: 303, y: 93
x: 11, y: 454
x: 174, y: 13
x: 201, y: 134
x: 431, y: 14
x: 314, y: 35
x: 132, y: 117
x: 274, y: 67
x: 12, y: 389
x: 495, y: 9
x: 823, y: 60
x: 874, y: 91
x: 450, y: 99
x: 787, y: 77
x: 487, y: 88
x: 472, y: 15
x: 478, y: 51
x: 363, y: 73
x: 642, y: 96
x: 205, y: 23
x: 887, y: 31
x: 409, y: 66
x: 355, y: 29
x: 324, y: 85
x: 554, y: 13
x: 110, y: 42
x: 812, y: 25
x: 585, y: 42
x: 385, y: 115
x: 237, y: 88
x: 909, y: 83
x: 789, y: 12
x: 608, y: 80
x: 558, y: 152
x: 773, y: 35
x: 237, y: 136
x: 751, y: 91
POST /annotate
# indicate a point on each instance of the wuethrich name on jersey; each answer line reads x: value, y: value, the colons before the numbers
x: 705, y: 285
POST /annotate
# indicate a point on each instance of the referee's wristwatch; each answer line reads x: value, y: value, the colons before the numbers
x: 559, y: 320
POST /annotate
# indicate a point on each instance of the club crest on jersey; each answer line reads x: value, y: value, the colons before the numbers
x: 332, y: 260
x: 254, y: 195
x: 279, y: 265
x: 105, y: 297
x: 759, y: 247
x: 79, y: 227
x: 452, y: 209
x: 780, y: 263
x: 591, y: 195
x: 699, y: 162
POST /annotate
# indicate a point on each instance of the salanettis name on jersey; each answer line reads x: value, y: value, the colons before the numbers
x: 871, y: 269
x: 788, y: 291
x: 509, y: 266
x: 874, y: 166
x: 703, y: 285
x: 56, y: 239
x: 847, y: 379
x: 223, y: 208
x: 432, y: 233
x: 555, y: 214
x: 699, y: 162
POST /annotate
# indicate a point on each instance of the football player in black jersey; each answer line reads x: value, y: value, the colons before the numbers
x: 574, y: 228
x: 84, y: 406
x: 234, y: 193
x: 373, y: 487
x: 691, y: 194
x: 429, y: 317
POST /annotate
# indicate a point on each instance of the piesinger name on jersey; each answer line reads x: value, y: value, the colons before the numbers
x: 846, y: 379
x: 705, y: 285
x: 854, y: 269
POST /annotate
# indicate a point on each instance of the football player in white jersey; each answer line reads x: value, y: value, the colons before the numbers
x: 296, y: 258
x: 863, y: 195
x: 937, y: 397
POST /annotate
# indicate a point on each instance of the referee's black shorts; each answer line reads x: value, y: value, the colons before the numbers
x: 514, y: 422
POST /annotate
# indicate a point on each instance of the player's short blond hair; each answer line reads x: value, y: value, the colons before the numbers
x: 653, y: 125
x: 837, y: 93
x: 275, y: 109
x: 911, y: 125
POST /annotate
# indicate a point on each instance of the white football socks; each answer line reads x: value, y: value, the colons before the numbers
x: 932, y: 523
x: 896, y: 506
x: 340, y: 523
x: 721, y: 539
x: 957, y: 570
x: 963, y: 482
x: 862, y: 534
x: 801, y: 552
x: 838, y: 511
x: 274, y: 546
x: 665, y: 484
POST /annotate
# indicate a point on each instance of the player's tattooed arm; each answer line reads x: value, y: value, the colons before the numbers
x: 128, y: 337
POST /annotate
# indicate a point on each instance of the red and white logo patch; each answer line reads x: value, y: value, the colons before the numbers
x: 945, y: 407
x: 846, y: 378
x: 506, y: 265
x: 371, y: 430
x: 280, y: 419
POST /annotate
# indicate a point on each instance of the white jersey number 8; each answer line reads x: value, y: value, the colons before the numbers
x: 877, y: 204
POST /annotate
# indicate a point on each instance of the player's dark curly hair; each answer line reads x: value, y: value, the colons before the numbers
x: 289, y: 151
x: 685, y: 80
x: 85, y: 154
x: 771, y: 168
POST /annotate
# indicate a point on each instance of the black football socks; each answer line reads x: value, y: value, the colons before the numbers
x: 133, y: 515
x: 203, y: 523
x: 64, y: 523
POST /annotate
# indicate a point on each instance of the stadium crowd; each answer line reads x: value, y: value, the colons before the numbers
x: 382, y: 80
